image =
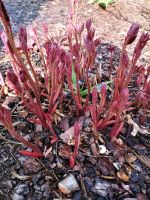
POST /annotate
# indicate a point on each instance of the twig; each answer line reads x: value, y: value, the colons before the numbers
x: 84, y: 153
x: 83, y: 187
x: 144, y: 159
x: 15, y: 107
x: 51, y: 171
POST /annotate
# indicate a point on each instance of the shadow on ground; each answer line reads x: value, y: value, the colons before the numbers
x: 23, y: 12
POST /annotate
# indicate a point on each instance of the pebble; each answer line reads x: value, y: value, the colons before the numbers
x: 43, y: 187
x: 68, y: 184
x: 134, y: 177
x: 87, y: 129
x: 87, y: 122
x: 9, y: 184
x: 22, y: 189
x: 147, y: 179
x: 38, y: 128
x: 36, y: 178
x: 101, y: 188
x: 134, y: 188
x: 36, y: 187
x: 18, y: 197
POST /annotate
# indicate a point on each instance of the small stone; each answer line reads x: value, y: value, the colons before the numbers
x: 134, y: 177
x: 36, y: 187
x: 134, y: 188
x: 46, y: 194
x: 87, y: 129
x: 102, y: 149
x: 44, y: 187
x: 101, y: 188
x: 137, y: 168
x: 68, y: 185
x: 9, y: 184
x: 38, y: 128
x: 18, y: 197
x: 87, y: 114
x: 22, y: 189
x: 147, y: 179
x: 36, y: 178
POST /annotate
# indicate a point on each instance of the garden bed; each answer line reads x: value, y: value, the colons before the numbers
x: 122, y: 171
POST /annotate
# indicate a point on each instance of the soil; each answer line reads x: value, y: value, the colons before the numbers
x: 124, y: 172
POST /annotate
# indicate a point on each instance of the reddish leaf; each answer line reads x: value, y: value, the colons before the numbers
x: 34, y: 120
x: 54, y: 139
x: 31, y: 154
x: 72, y: 162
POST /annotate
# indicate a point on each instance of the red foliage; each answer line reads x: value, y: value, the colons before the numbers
x: 61, y: 58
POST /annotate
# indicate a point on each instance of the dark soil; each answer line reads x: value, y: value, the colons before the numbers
x: 121, y: 173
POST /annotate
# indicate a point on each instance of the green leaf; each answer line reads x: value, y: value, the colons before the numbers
x: 84, y: 92
x: 102, y: 3
x: 73, y: 76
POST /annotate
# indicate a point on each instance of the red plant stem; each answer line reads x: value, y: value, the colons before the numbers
x: 78, y: 87
x: 21, y: 139
x: 121, y: 68
x: 39, y: 113
x: 78, y: 105
x: 127, y: 81
x: 31, y: 154
x: 104, y: 123
x: 9, y: 35
x: 86, y: 67
x: 52, y: 86
x: 116, y: 89
x: 69, y: 79
x: 102, y: 103
x: 77, y: 143
x: 41, y: 52
x: 32, y: 69
x: 116, y: 129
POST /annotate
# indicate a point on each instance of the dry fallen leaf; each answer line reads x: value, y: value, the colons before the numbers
x: 131, y: 158
x: 4, y: 90
x: 65, y: 151
x: 23, y: 113
x: 136, y: 128
x: 105, y: 166
x: 68, y: 136
x: 122, y: 176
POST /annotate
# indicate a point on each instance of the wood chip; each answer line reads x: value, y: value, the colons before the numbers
x: 131, y: 158
x: 122, y: 176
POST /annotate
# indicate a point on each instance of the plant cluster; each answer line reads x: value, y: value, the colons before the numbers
x: 68, y: 65
x: 102, y: 3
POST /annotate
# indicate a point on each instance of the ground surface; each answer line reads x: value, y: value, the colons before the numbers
x: 22, y: 178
